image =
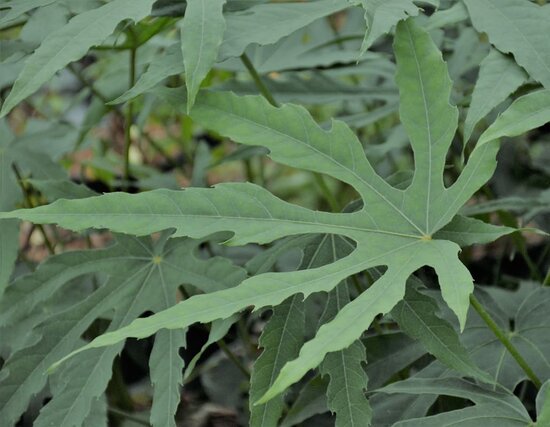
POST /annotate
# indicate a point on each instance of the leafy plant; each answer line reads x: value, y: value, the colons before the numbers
x: 365, y: 275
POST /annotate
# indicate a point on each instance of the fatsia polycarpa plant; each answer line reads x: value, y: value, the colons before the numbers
x: 389, y: 233
x: 400, y: 230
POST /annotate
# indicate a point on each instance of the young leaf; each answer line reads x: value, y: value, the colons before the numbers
x: 395, y: 228
x: 527, y: 112
x: 201, y: 35
x: 517, y: 27
x: 70, y: 43
x: 499, y: 77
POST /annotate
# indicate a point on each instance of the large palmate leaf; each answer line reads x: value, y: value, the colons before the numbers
x: 518, y: 27
x: 70, y: 43
x: 395, y: 228
x: 201, y: 35
x: 157, y: 269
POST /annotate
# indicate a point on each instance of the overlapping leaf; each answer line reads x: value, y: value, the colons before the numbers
x: 156, y: 271
x: 70, y: 43
x: 518, y: 27
x: 201, y: 35
x: 383, y: 15
x: 498, y: 408
x: 499, y: 77
x: 396, y: 228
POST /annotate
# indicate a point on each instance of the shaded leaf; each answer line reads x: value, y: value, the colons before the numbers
x: 70, y: 43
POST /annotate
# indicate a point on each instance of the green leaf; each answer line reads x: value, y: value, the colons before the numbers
x: 281, y: 340
x: 515, y: 26
x: 395, y: 228
x: 503, y: 409
x: 348, y: 380
x: 499, y: 77
x: 388, y: 354
x: 9, y: 245
x: 267, y: 23
x: 70, y: 43
x: 417, y: 317
x: 527, y: 112
x: 382, y: 15
x: 158, y: 267
x: 19, y: 7
x: 53, y: 189
x: 314, y: 89
x: 543, y: 405
x: 466, y: 231
x: 170, y: 63
x: 201, y: 36
x: 166, y: 371
x: 522, y: 315
x: 310, y: 401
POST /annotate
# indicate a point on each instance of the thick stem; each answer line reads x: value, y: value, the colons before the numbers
x: 505, y: 340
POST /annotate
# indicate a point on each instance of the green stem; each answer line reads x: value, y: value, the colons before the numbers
x: 505, y: 340
x: 30, y: 205
x: 129, y: 113
x: 546, y: 281
x: 264, y: 90
x: 128, y: 416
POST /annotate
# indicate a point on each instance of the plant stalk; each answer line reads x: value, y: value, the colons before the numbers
x: 505, y: 340
x: 30, y: 205
x: 264, y: 90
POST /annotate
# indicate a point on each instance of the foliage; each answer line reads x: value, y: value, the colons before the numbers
x: 365, y: 211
